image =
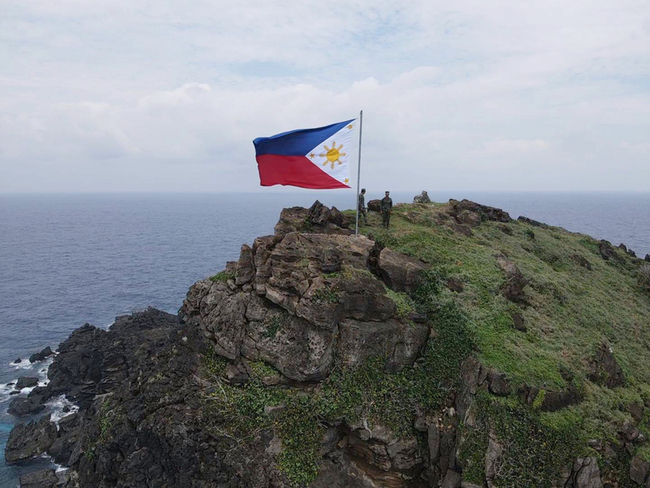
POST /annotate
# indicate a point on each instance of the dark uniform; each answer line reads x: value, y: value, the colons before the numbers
x: 386, y: 208
x: 362, y: 208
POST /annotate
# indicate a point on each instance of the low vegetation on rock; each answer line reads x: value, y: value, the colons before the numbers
x: 460, y: 348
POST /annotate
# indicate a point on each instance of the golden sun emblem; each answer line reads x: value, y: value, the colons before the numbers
x: 333, y: 154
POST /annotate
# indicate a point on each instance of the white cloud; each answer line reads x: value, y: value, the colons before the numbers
x: 101, y: 95
x: 520, y: 146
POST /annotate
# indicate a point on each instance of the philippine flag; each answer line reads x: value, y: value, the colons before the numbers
x: 308, y: 158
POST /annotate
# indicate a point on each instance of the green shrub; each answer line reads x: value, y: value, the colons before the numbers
x: 273, y: 326
x: 326, y: 295
x: 222, y: 277
x: 534, y: 453
x: 403, y: 303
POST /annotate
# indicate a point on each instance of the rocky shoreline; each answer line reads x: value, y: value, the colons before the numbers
x: 298, y: 308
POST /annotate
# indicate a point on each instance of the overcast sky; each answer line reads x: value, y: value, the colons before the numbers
x: 160, y: 95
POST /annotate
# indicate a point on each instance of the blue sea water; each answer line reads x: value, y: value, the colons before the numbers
x: 70, y: 259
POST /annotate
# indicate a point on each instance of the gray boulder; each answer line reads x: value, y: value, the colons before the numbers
x: 400, y: 272
x: 587, y: 473
x: 513, y: 288
x: 22, y: 407
x: 26, y: 382
x: 29, y: 440
x: 640, y: 470
x: 604, y: 369
x: 45, y: 478
x: 422, y: 198
x: 41, y: 356
x: 399, y: 342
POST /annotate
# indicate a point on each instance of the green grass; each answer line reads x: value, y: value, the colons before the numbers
x: 222, y: 277
x: 534, y: 453
x: 403, y: 303
x: 569, y: 312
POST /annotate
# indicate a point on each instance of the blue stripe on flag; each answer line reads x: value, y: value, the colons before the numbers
x: 296, y: 142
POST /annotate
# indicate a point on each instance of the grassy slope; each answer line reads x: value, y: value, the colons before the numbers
x: 570, y: 312
x: 571, y: 309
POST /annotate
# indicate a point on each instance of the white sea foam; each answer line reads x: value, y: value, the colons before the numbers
x: 5, y: 391
x: 39, y: 370
x: 57, y: 405
x: 23, y: 364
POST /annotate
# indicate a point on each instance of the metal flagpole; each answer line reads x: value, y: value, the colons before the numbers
x: 356, y: 229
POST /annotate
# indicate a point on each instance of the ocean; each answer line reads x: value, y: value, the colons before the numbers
x: 70, y: 259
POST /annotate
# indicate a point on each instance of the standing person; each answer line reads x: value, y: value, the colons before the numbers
x: 362, y: 207
x: 386, y: 208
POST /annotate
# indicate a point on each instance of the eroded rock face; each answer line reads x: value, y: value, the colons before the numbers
x: 397, y: 341
x: 532, y: 222
x: 462, y: 211
x: 422, y: 198
x: 45, y: 478
x: 42, y: 355
x: 513, y: 288
x: 400, y: 272
x: 374, y: 205
x: 586, y: 473
x: 605, y: 370
x: 299, y: 301
x: 316, y: 219
x: 29, y: 440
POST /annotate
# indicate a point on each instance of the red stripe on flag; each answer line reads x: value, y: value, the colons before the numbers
x: 294, y: 171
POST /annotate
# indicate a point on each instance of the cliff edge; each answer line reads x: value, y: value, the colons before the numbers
x: 461, y: 349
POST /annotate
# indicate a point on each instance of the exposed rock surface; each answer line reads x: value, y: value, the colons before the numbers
x: 460, y: 216
x: 41, y: 356
x: 45, y: 478
x: 513, y: 288
x: 485, y: 212
x: 532, y: 222
x: 21, y: 407
x: 400, y: 272
x: 317, y: 219
x: 306, y: 300
x: 28, y: 440
x: 422, y: 198
x: 312, y: 300
x: 26, y: 382
x: 605, y: 370
x: 374, y: 205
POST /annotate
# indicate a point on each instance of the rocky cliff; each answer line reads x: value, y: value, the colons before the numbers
x: 460, y: 349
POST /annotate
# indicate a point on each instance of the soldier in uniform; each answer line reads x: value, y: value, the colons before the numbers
x: 386, y: 208
x: 362, y: 207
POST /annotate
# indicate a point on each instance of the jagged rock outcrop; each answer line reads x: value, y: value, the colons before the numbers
x: 465, y: 211
x: 460, y: 216
x: 46, y: 478
x: 316, y: 219
x: 422, y: 198
x: 301, y: 305
x: 307, y: 300
x: 513, y: 288
x: 26, y: 382
x: 42, y: 355
x: 532, y: 222
x: 29, y: 440
x: 605, y: 370
x: 374, y: 205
